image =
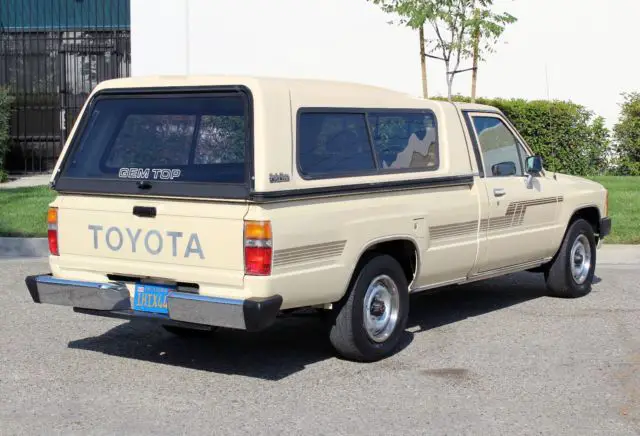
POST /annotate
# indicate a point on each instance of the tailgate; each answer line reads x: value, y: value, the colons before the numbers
x: 141, y: 181
x: 189, y: 242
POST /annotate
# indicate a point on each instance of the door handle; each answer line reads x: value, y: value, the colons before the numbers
x: 499, y: 192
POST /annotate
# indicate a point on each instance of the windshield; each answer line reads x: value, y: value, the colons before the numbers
x: 154, y: 140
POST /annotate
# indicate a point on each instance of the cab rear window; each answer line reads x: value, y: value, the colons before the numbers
x: 162, y: 139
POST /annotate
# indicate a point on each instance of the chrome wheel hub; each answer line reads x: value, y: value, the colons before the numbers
x: 580, y: 259
x: 381, y: 307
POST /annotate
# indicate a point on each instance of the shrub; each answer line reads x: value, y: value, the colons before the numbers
x: 570, y: 138
x: 5, y: 114
x: 627, y: 135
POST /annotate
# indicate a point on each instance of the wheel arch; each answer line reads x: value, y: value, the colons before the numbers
x: 588, y: 212
x: 405, y: 249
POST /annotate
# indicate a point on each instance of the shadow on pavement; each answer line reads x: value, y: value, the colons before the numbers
x: 282, y: 350
x: 295, y: 342
x: 456, y: 303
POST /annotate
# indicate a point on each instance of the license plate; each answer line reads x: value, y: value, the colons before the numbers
x: 151, y: 298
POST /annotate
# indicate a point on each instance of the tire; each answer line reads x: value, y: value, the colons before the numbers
x: 570, y: 274
x: 186, y: 332
x: 381, y: 286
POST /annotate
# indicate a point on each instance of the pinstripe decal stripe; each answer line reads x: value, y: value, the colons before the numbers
x: 513, y: 217
x: 308, y: 253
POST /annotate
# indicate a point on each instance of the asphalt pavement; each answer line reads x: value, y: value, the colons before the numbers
x: 496, y: 357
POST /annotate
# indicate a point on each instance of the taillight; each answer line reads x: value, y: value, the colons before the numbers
x: 52, y: 231
x: 257, y: 248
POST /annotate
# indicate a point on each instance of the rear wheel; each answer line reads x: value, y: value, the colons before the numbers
x: 187, y: 332
x: 369, y: 322
x: 570, y: 275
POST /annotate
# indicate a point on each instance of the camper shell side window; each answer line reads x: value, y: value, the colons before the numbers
x: 334, y: 142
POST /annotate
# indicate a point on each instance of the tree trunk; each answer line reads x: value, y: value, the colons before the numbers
x: 476, y: 54
x: 449, y: 83
x: 423, y: 64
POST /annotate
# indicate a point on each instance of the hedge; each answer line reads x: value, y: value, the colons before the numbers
x: 5, y: 115
x: 570, y: 138
x: 627, y: 135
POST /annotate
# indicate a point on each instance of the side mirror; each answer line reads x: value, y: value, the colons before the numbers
x: 534, y: 165
x: 503, y: 169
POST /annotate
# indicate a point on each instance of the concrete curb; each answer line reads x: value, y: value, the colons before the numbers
x: 24, y: 247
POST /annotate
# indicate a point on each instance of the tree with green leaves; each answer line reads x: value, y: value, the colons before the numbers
x: 486, y: 29
x: 461, y: 29
x: 627, y: 135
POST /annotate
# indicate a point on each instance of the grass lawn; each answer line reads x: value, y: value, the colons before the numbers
x: 624, y: 208
x: 23, y: 211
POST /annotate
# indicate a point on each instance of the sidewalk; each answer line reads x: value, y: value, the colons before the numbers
x: 27, y: 181
x: 618, y: 254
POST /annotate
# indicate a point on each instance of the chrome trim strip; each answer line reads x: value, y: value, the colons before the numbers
x: 506, y: 270
x: 200, y: 309
x: 90, y: 295
x: 436, y: 285
x: 63, y: 282
x: 198, y: 297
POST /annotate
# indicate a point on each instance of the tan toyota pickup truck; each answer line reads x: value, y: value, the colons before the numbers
x: 206, y: 202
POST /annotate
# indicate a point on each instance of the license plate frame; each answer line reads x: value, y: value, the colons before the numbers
x: 151, y: 298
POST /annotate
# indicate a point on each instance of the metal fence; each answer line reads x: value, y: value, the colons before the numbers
x: 52, y: 54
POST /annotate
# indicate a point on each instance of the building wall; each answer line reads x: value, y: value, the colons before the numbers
x: 52, y: 54
x: 569, y: 49
x: 50, y: 15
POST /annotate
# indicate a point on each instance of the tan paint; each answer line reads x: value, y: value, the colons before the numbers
x: 458, y: 232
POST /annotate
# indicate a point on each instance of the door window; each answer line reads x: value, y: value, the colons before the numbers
x: 501, y: 152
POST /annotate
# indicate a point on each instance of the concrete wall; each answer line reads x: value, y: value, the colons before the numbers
x: 585, y: 47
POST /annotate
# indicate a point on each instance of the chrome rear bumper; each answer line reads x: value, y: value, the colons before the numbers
x: 113, y: 300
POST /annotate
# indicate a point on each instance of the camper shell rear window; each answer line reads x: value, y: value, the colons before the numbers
x: 187, y: 144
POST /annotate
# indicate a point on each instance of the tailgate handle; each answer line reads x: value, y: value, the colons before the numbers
x: 144, y: 211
